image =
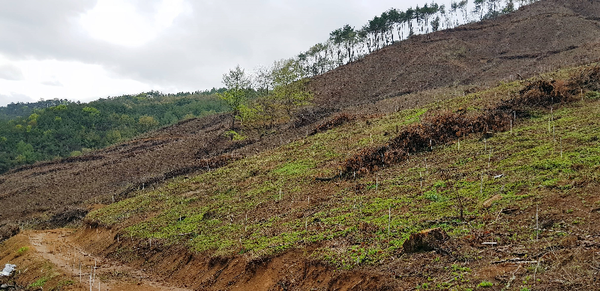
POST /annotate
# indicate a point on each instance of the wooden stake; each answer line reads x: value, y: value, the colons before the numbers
x: 389, y: 219
x: 561, y: 148
x: 481, y: 188
x: 537, y: 225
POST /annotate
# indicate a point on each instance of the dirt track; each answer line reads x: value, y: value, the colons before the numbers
x: 58, y: 247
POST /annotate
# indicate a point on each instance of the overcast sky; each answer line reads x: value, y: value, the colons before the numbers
x: 89, y: 49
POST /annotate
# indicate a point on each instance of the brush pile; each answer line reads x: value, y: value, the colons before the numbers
x: 336, y: 121
x: 449, y: 126
x: 200, y: 166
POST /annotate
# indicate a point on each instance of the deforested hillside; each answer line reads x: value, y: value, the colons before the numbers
x: 502, y: 198
x: 538, y: 38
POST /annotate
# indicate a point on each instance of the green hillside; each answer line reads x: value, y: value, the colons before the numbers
x: 544, y: 167
x: 58, y: 128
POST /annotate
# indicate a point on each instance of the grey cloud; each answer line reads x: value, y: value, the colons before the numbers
x: 196, y: 50
x: 11, y: 73
x: 14, y: 98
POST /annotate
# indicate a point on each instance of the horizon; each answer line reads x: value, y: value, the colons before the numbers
x: 89, y: 50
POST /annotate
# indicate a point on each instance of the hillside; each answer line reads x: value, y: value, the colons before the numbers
x: 518, y: 205
x: 487, y: 132
x: 538, y: 38
x: 533, y: 40
x: 48, y: 130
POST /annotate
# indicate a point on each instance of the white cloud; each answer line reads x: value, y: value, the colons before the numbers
x: 97, y: 48
x: 10, y: 72
x: 121, y: 23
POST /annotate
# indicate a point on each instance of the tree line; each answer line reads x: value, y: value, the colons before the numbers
x: 52, y: 129
x: 348, y: 44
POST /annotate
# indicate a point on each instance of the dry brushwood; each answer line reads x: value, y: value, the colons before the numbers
x: 449, y: 126
x: 200, y: 165
x: 334, y: 122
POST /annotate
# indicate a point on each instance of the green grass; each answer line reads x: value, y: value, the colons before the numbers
x: 259, y: 206
x: 39, y: 283
x: 21, y: 251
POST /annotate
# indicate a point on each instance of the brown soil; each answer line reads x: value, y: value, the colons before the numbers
x: 289, y: 271
x: 538, y: 38
x: 57, y: 251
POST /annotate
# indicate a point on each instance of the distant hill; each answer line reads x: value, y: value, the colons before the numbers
x: 23, y: 109
x: 46, y: 130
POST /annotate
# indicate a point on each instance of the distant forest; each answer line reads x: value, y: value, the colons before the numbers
x: 46, y: 130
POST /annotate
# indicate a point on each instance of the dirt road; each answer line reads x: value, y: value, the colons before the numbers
x: 58, y: 247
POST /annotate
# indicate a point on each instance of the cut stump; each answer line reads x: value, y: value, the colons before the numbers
x: 426, y: 240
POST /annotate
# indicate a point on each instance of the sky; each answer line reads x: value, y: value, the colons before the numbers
x: 90, y: 49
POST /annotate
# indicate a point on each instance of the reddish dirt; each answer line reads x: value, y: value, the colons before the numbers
x: 289, y: 271
x: 57, y: 247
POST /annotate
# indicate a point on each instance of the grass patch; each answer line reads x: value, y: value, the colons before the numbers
x: 270, y: 203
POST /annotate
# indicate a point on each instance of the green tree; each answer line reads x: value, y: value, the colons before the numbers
x: 290, y: 85
x: 238, y: 85
x: 147, y: 123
